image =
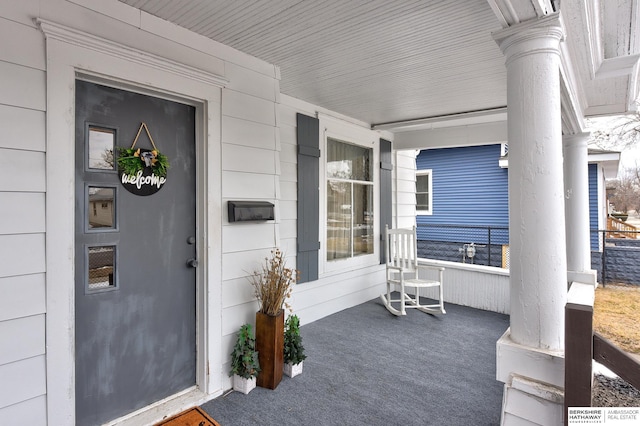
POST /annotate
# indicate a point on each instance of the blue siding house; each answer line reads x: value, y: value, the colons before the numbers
x: 594, y: 224
x: 462, y: 201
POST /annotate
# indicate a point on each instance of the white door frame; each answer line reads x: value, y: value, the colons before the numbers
x: 72, y: 54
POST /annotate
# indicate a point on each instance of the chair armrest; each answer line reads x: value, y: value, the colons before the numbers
x: 425, y: 268
x: 396, y: 268
x: 433, y: 268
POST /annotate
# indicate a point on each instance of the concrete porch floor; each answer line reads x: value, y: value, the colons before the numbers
x: 366, y: 367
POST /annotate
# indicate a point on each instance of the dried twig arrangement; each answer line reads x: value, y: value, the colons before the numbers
x: 273, y: 284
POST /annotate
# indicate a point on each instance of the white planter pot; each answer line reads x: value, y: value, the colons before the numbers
x: 293, y: 370
x: 243, y: 385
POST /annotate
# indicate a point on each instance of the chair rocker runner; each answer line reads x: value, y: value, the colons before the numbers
x: 403, y: 271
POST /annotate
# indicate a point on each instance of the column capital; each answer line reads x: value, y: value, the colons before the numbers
x: 535, y: 36
x: 577, y: 139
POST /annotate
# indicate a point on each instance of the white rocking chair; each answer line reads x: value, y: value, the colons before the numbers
x: 403, y: 270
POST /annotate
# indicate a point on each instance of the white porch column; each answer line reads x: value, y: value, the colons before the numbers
x: 576, y: 184
x: 530, y: 354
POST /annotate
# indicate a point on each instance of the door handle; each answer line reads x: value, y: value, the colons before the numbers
x: 192, y: 263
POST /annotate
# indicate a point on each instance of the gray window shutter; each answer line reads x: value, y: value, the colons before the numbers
x: 386, y: 202
x: 308, y: 197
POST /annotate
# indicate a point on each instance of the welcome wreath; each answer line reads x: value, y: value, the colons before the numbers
x: 142, y: 171
x: 132, y: 160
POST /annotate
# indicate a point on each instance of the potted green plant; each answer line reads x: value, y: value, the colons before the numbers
x: 272, y: 286
x: 293, y: 349
x: 245, y: 364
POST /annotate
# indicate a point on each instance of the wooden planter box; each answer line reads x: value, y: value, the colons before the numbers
x: 270, y: 347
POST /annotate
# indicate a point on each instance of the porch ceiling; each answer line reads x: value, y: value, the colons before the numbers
x: 383, y: 61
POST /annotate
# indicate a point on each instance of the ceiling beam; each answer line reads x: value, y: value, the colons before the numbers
x: 449, y: 120
x: 511, y: 12
x: 450, y: 137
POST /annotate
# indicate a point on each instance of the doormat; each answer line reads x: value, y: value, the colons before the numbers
x: 192, y: 417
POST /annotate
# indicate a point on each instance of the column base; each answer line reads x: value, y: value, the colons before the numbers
x: 587, y: 277
x: 534, y: 383
x: 529, y: 402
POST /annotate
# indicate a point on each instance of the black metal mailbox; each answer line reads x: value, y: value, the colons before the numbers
x: 243, y: 211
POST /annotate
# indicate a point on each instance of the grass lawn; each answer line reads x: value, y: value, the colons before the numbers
x: 617, y: 315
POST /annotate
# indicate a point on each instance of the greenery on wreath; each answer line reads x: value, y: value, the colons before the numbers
x: 131, y: 161
x: 293, y: 349
x: 244, y: 358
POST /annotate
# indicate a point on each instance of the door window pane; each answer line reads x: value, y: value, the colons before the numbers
x: 101, y: 148
x: 101, y: 262
x: 101, y: 208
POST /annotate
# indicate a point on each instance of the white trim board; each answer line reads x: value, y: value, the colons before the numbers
x: 72, y: 54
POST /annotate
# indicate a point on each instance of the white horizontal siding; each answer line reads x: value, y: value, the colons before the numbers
x: 22, y: 296
x: 289, y: 171
x: 13, y: 52
x: 233, y: 317
x: 250, y: 82
x: 20, y: 11
x: 238, y: 185
x: 22, y: 86
x: 248, y: 159
x: 21, y: 254
x: 247, y: 107
x: 405, y: 174
x: 21, y: 338
x: 240, y: 264
x: 404, y: 189
x: 288, y: 190
x: 406, y: 159
x: 22, y: 215
x: 238, y: 131
x: 288, y: 150
x: 288, y: 229
x: 22, y: 128
x: 22, y: 170
x: 234, y: 236
x: 32, y: 412
x: 22, y: 212
x: 288, y: 210
x: 238, y: 291
x: 334, y: 293
x: 27, y: 379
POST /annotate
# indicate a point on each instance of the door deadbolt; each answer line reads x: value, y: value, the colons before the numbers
x: 192, y: 263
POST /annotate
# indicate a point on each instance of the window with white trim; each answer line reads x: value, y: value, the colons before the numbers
x: 424, y: 192
x: 350, y: 200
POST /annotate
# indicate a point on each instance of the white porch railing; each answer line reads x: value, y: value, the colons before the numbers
x: 476, y: 286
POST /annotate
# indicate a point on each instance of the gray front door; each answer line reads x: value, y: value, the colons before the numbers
x: 135, y: 280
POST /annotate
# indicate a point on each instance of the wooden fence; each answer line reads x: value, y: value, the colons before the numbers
x: 582, y: 346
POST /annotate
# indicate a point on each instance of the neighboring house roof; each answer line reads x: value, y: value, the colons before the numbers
x: 104, y: 194
x: 609, y: 160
